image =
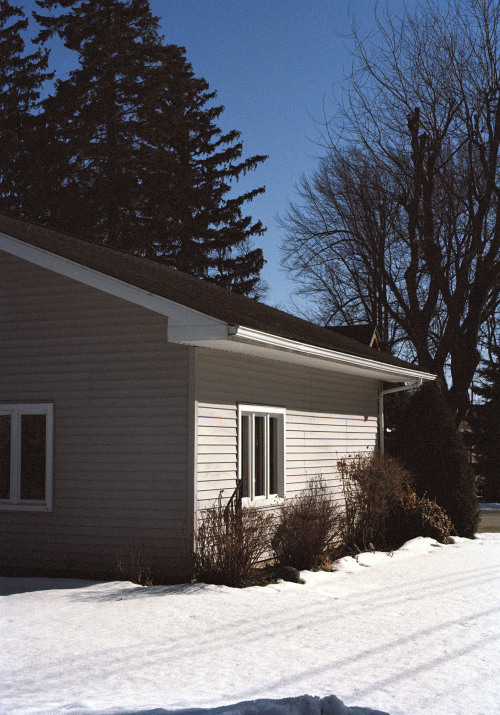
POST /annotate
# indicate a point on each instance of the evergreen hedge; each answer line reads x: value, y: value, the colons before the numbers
x: 427, y: 442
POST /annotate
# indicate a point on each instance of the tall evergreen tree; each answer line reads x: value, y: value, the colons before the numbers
x: 91, y: 119
x: 485, y: 423
x: 427, y: 442
x: 140, y: 162
x: 196, y: 226
x: 21, y: 78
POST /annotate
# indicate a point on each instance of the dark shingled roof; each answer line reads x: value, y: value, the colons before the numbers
x: 363, y: 333
x: 191, y: 292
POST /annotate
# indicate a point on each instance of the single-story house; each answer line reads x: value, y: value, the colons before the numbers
x: 132, y: 394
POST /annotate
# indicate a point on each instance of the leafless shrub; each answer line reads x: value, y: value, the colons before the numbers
x: 229, y: 543
x: 307, y: 529
x: 373, y: 486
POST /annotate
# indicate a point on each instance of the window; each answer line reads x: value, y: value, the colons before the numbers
x: 26, y: 437
x: 261, y: 454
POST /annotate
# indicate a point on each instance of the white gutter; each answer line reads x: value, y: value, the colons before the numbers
x: 381, y: 429
x: 273, y: 341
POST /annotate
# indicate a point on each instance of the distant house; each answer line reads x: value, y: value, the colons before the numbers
x: 131, y: 395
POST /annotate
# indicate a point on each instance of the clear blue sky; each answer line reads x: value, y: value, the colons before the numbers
x: 274, y: 63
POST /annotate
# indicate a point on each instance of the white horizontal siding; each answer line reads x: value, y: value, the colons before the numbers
x: 328, y: 416
x: 216, y: 459
x: 120, y: 394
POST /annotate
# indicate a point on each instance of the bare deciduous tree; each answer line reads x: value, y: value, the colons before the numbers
x: 400, y: 223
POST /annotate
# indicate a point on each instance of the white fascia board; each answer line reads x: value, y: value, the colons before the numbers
x: 390, y: 373
x: 184, y: 323
x: 195, y: 333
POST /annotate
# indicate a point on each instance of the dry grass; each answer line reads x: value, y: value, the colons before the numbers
x: 135, y: 565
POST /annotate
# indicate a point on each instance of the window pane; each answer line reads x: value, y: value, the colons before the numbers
x: 245, y: 455
x: 259, y: 456
x: 5, y: 456
x: 33, y: 431
x: 273, y: 454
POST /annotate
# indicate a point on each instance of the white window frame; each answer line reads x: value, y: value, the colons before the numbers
x: 263, y: 411
x: 15, y: 503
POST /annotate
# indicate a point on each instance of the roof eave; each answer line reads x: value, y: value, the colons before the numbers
x: 248, y: 340
x: 192, y: 327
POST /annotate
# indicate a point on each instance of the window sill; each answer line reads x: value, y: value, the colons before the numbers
x: 25, y: 507
x: 262, y: 501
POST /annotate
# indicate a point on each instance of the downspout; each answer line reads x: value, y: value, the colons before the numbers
x: 402, y: 388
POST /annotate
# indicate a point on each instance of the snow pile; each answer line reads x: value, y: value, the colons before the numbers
x: 412, y: 632
x: 304, y: 705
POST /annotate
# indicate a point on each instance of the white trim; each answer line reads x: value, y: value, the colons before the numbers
x: 196, y: 334
x: 263, y: 411
x: 192, y: 408
x: 333, y: 356
x: 16, y: 410
x: 188, y: 321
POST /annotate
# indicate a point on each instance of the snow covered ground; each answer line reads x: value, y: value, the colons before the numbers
x: 414, y: 632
